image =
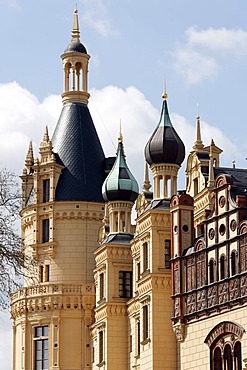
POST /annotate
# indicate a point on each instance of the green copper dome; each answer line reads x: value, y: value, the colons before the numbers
x: 120, y: 184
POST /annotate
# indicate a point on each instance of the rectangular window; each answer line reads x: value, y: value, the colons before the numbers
x: 125, y: 284
x: 47, y: 273
x: 101, y: 346
x: 145, y: 256
x: 46, y: 190
x: 167, y: 254
x: 41, y: 273
x: 138, y: 337
x: 145, y: 321
x: 130, y: 343
x: 45, y: 230
x: 138, y: 271
x: 101, y: 286
x: 41, y: 348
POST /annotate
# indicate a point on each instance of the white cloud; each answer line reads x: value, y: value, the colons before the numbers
x: 95, y: 15
x: 199, y: 57
x: 233, y: 41
x: 23, y: 118
x: 194, y: 66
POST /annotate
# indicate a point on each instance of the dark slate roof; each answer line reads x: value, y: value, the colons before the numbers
x: 238, y: 177
x: 120, y: 184
x: 120, y: 238
x: 203, y: 155
x: 75, y: 47
x: 164, y: 146
x: 159, y: 204
x: 78, y: 148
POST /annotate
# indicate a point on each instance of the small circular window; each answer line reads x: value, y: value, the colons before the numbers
x: 222, y: 229
x: 233, y: 225
x: 222, y: 201
x: 185, y: 228
x: 175, y: 229
x: 211, y: 233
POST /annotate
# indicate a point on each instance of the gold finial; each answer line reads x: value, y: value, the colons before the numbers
x: 75, y: 34
x: 120, y: 138
x: 198, y: 144
x: 165, y: 96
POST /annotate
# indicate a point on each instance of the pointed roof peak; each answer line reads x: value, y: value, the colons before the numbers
x: 46, y: 135
x: 164, y: 146
x: 29, y: 157
x: 75, y: 33
x: 198, y: 144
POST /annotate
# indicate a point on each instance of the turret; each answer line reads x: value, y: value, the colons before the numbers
x: 165, y: 153
x: 120, y: 191
x: 75, y: 64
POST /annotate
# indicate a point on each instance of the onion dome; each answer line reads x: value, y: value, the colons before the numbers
x: 164, y: 146
x: 120, y: 184
x: 75, y: 45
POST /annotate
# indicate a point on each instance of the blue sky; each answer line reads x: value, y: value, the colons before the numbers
x: 199, y: 46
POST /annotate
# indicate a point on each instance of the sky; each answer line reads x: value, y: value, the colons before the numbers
x: 198, y: 47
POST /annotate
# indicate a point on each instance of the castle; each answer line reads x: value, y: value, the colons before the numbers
x: 169, y: 293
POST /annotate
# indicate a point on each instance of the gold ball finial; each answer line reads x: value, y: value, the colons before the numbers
x: 76, y: 10
x: 164, y: 95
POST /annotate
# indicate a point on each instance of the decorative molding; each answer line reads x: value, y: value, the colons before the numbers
x: 225, y: 327
x: 179, y: 330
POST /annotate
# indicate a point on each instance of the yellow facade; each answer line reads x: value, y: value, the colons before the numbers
x: 168, y: 293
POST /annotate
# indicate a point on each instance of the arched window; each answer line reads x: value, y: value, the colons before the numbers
x: 228, y: 357
x: 222, y: 267
x: 226, y: 354
x: 224, y: 341
x: 237, y: 356
x: 233, y: 263
x: 217, y: 359
x: 211, y: 271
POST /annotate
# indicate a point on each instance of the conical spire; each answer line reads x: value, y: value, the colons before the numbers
x: 75, y: 33
x: 120, y: 184
x: 46, y: 135
x: 198, y: 144
x: 29, y: 161
x: 46, y: 143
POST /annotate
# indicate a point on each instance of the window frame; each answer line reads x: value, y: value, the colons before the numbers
x: 125, y: 282
x: 46, y: 190
x: 43, y: 339
x: 45, y: 230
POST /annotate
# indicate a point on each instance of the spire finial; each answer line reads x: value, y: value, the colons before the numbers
x: 120, y: 138
x: 46, y: 135
x: 75, y: 34
x: 146, y: 183
x: 164, y: 95
x: 198, y: 144
x: 211, y: 166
